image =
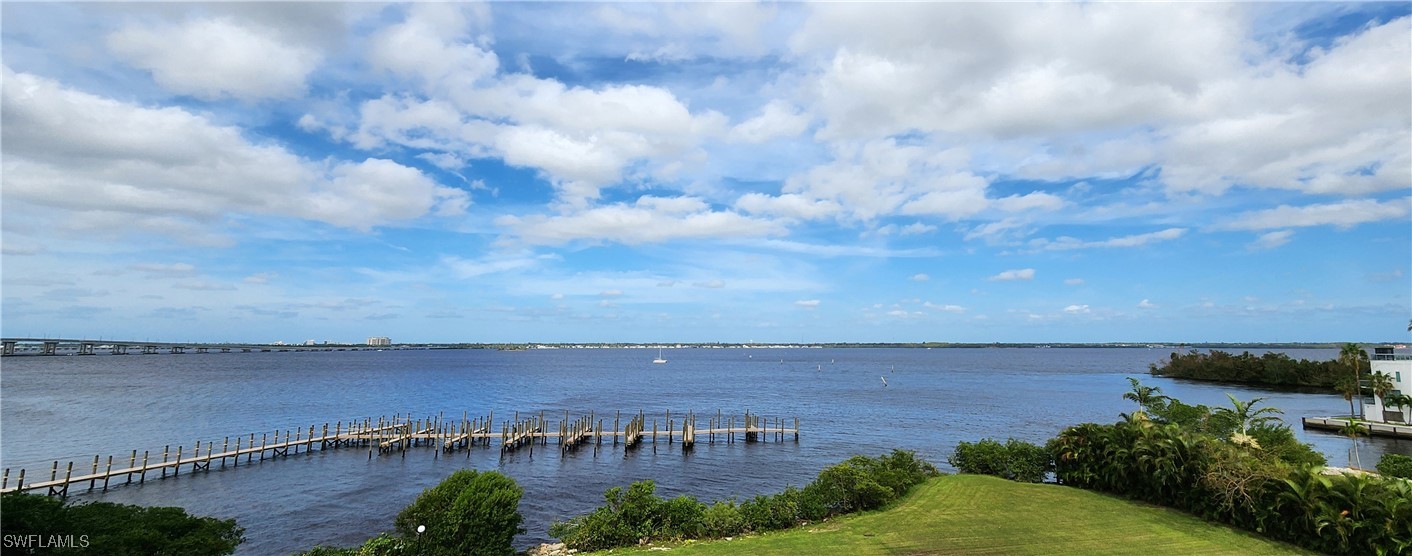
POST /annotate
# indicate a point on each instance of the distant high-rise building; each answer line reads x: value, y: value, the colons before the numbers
x: 379, y: 341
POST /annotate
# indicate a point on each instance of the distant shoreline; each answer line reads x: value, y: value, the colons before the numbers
x: 65, y: 347
x: 913, y: 345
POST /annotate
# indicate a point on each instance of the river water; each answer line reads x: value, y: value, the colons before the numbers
x: 72, y: 408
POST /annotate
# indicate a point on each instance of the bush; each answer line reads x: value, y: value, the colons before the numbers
x: 1014, y: 460
x: 861, y: 483
x: 626, y: 518
x: 849, y: 487
x: 1395, y: 465
x: 120, y: 529
x: 901, y: 470
x: 471, y: 512
x: 771, y: 513
x: 1219, y: 481
x: 722, y: 519
x: 1277, y: 442
x: 680, y: 518
x: 381, y: 545
x: 630, y: 517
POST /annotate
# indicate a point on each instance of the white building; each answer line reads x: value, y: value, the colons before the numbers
x: 379, y: 341
x: 1398, y: 366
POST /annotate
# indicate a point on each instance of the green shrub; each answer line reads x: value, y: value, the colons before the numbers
x: 600, y: 529
x: 329, y: 551
x: 849, y: 487
x: 901, y: 470
x: 1219, y: 481
x: 1014, y: 460
x: 629, y: 517
x: 810, y: 505
x: 381, y: 545
x: 625, y: 518
x: 119, y: 529
x: 680, y: 518
x: 1395, y: 465
x: 861, y: 483
x: 771, y: 512
x: 1278, y: 442
x: 471, y: 512
x: 722, y: 519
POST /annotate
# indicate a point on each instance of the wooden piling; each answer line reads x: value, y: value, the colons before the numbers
x: 400, y: 433
x: 67, y: 475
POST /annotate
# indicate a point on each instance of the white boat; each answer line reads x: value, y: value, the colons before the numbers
x: 659, y: 357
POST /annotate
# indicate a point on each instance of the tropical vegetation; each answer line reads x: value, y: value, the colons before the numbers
x: 1354, y: 359
x: 1395, y: 465
x: 1269, y: 369
x: 1216, y: 465
x: 109, y: 528
x: 975, y: 514
x: 1014, y: 460
x: 469, y: 513
x: 638, y: 516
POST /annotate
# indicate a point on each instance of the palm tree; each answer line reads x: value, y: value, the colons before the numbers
x: 1401, y: 401
x: 1244, y: 415
x: 1352, y: 430
x: 1145, y: 396
x: 1353, y: 356
x: 1348, y: 386
x: 1382, y: 386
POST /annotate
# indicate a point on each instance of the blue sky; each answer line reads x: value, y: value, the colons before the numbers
x: 707, y: 172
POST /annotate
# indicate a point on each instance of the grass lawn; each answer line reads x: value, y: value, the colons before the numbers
x: 976, y: 514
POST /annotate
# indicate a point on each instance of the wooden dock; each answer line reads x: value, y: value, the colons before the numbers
x: 1372, y: 429
x: 397, y: 434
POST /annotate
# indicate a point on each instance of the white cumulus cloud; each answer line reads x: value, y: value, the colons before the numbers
x: 1009, y: 275
x: 1343, y: 214
x: 108, y: 164
x: 211, y: 58
x: 649, y: 220
x: 1271, y: 240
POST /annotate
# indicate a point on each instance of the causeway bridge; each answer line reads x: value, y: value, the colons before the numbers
x: 71, y: 346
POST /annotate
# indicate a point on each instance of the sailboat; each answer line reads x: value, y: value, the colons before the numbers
x: 659, y: 357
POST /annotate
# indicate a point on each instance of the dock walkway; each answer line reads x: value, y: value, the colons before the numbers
x: 397, y: 434
x: 1373, y: 429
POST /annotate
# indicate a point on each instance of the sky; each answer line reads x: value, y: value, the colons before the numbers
x: 706, y: 172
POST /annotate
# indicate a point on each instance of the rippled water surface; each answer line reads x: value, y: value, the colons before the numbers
x: 71, y: 408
